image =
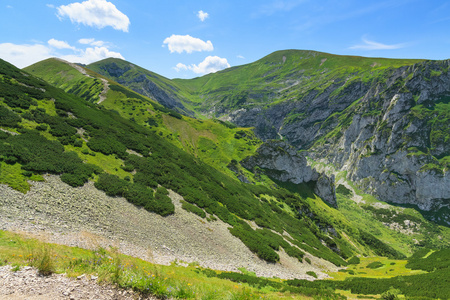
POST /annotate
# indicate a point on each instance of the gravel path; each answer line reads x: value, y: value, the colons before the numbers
x: 86, y: 217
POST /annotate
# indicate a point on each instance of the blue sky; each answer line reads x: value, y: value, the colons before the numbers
x: 190, y: 38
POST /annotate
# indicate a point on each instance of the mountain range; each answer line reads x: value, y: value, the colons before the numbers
x: 383, y: 121
x: 301, y: 155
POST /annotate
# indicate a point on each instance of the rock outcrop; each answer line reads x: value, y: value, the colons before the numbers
x: 282, y: 162
x: 391, y: 135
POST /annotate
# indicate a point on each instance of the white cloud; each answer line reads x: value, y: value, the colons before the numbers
x: 371, y: 45
x: 95, y: 13
x: 50, y: 5
x: 240, y: 56
x: 202, y: 15
x: 90, y: 55
x: 59, y: 44
x: 180, y: 43
x: 91, y: 42
x: 211, y: 64
x: 86, y: 41
x: 25, y: 55
x: 180, y: 67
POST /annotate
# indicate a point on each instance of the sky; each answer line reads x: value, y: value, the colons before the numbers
x: 186, y: 39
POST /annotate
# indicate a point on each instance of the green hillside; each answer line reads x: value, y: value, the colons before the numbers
x: 46, y: 130
x: 84, y: 129
x: 218, y: 144
x: 215, y: 142
x: 282, y: 75
x: 145, y: 82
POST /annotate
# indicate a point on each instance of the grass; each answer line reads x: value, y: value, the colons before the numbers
x: 209, y: 140
x: 427, y: 233
x: 375, y: 267
x: 126, y: 272
x: 12, y: 175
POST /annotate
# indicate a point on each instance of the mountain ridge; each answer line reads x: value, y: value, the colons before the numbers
x: 311, y: 98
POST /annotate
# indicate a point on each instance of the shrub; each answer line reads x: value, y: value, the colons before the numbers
x: 391, y: 294
x: 112, y: 185
x: 255, y: 242
x: 42, y: 260
x: 139, y: 195
x: 354, y: 260
x: 9, y: 118
x: 144, y: 179
x: 106, y: 145
x: 78, y: 143
x: 42, y: 127
x: 62, y: 129
x: 311, y: 273
x: 343, y: 190
x: 193, y: 209
x: 375, y: 265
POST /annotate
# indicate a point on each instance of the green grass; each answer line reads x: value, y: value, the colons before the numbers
x: 369, y: 217
x: 12, y: 175
x: 127, y: 272
x: 253, y: 83
x: 192, y: 135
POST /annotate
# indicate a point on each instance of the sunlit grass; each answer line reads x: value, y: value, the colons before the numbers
x: 126, y: 272
x: 389, y: 268
x: 12, y: 175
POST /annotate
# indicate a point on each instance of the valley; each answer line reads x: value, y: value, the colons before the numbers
x: 276, y: 174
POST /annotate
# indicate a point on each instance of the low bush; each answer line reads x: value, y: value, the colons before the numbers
x: 193, y: 209
x: 9, y: 118
x: 375, y: 265
x: 354, y: 260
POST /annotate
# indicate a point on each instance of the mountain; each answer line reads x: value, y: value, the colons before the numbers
x: 48, y: 131
x: 221, y: 145
x: 87, y: 153
x: 383, y: 121
x: 143, y: 82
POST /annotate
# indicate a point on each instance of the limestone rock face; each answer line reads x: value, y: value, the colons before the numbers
x: 391, y: 135
x: 282, y: 162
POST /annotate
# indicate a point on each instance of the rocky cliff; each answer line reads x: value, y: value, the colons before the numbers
x: 282, y: 162
x: 385, y: 122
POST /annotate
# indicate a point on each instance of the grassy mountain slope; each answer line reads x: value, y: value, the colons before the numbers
x: 62, y: 134
x: 213, y: 141
x: 282, y: 75
x: 144, y: 82
x: 217, y: 145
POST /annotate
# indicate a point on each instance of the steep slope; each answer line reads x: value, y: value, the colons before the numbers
x: 45, y: 130
x: 214, y: 141
x: 222, y: 146
x: 348, y: 111
x: 285, y: 87
x: 384, y: 121
x: 144, y: 82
